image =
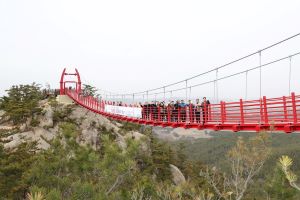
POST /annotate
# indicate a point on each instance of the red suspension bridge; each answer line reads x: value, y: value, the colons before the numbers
x: 280, y: 113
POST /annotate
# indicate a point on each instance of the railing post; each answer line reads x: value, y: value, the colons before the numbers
x: 284, y: 108
x: 151, y: 112
x: 205, y: 117
x: 191, y: 113
x: 225, y: 113
x: 222, y: 112
x: 178, y: 114
x: 294, y: 108
x: 158, y: 114
x: 265, y: 110
x: 209, y: 113
x: 242, y: 111
x: 261, y: 110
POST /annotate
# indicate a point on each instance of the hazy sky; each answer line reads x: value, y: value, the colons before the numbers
x: 127, y: 46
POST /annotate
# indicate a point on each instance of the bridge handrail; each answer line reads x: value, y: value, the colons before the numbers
x: 280, y: 113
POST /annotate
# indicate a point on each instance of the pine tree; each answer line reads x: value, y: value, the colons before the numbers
x: 162, y: 156
x: 21, y: 102
x: 89, y: 90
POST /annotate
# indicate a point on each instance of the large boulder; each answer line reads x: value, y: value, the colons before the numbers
x: 2, y: 112
x: 177, y: 176
x: 47, y: 119
x: 40, y: 135
x: 89, y: 137
x: 89, y: 122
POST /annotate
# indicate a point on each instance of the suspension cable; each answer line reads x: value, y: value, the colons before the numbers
x: 246, y: 95
x: 290, y: 74
x: 222, y: 66
x: 259, y: 74
x: 235, y: 74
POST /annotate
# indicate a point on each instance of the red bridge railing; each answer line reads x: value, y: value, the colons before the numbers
x: 264, y: 114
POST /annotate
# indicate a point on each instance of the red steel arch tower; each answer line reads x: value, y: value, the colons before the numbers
x: 63, y: 81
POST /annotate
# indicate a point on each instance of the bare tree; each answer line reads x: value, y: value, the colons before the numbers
x: 246, y: 160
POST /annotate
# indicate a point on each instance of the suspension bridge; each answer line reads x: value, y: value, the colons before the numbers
x: 264, y: 113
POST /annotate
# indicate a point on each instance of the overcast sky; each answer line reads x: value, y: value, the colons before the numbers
x: 128, y: 46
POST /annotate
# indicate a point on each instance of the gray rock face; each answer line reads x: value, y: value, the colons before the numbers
x: 89, y: 137
x: 177, y: 176
x: 47, y: 119
x: 2, y: 112
x: 25, y: 126
x: 88, y: 121
x: 64, y: 99
x: 40, y: 135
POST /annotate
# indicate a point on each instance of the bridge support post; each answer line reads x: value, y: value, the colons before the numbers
x: 265, y: 110
x: 242, y: 119
x: 294, y: 108
x: 261, y: 111
x: 284, y: 109
x: 222, y: 112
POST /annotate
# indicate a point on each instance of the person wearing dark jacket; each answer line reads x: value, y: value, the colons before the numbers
x: 182, y: 106
x: 190, y: 108
x: 205, y: 109
x: 175, y: 111
x: 171, y: 110
x: 163, y: 111
x: 198, y: 111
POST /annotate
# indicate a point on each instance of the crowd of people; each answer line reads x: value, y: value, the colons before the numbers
x: 174, y: 111
x: 177, y: 111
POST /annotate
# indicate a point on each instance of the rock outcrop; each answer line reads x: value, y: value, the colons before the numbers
x: 47, y: 119
x: 177, y: 176
x: 39, y: 135
x: 88, y: 123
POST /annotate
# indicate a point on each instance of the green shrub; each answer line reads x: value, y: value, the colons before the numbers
x: 62, y: 114
x: 34, y: 122
x: 69, y: 130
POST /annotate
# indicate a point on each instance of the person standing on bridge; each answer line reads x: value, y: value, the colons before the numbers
x: 176, y: 112
x: 190, y: 107
x: 205, y: 109
x: 171, y: 111
x: 198, y: 111
x: 182, y: 106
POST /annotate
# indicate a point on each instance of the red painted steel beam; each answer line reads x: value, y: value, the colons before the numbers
x: 232, y: 116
